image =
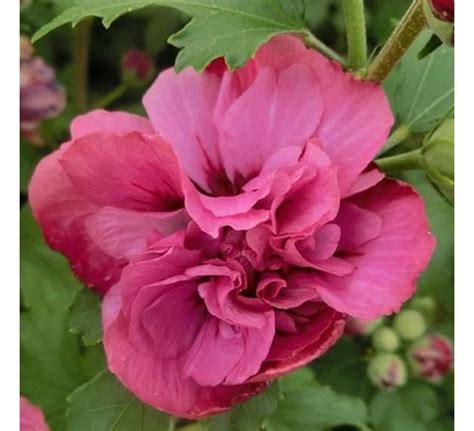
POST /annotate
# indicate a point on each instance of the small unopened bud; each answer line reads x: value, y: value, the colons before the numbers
x: 431, y: 358
x: 362, y: 327
x: 387, y: 371
x: 385, y: 340
x: 438, y: 158
x: 440, y: 17
x: 410, y: 325
x: 426, y: 305
x: 443, y: 9
x: 137, y: 67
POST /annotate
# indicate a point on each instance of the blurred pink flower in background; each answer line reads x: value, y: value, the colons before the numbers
x: 233, y: 232
x: 31, y: 417
x: 443, y: 9
x: 137, y: 66
x: 41, y: 97
x: 431, y: 358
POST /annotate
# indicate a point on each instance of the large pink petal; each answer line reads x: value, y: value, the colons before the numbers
x: 275, y: 111
x: 158, y: 382
x: 180, y: 108
x: 100, y: 120
x: 387, y: 267
x: 161, y: 382
x: 70, y: 188
x: 154, y: 327
x: 356, y: 121
x: 133, y: 171
x: 356, y: 115
x: 62, y: 211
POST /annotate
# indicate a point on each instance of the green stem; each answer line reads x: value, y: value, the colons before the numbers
x: 172, y: 424
x: 412, y: 23
x: 401, y: 162
x: 310, y: 40
x: 400, y: 134
x: 82, y: 35
x: 354, y: 18
x: 111, y: 97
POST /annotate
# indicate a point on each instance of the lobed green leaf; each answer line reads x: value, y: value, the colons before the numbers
x: 50, y: 356
x: 103, y: 404
x: 410, y: 408
x: 232, y: 29
x: 85, y: 317
x: 421, y: 92
x: 306, y: 405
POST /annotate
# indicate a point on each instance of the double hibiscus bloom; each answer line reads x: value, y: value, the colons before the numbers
x: 233, y: 232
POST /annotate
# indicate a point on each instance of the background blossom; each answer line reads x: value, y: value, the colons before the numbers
x: 31, y: 417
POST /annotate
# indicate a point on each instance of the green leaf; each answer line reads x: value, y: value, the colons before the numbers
x: 316, y: 11
x: 410, y: 408
x: 441, y: 424
x: 233, y: 29
x: 50, y: 361
x: 85, y: 317
x: 29, y: 158
x: 250, y: 415
x: 305, y: 405
x: 344, y: 369
x: 421, y: 92
x: 103, y: 404
x: 382, y: 18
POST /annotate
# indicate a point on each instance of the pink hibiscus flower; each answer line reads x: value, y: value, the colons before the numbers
x: 31, y: 417
x: 235, y: 232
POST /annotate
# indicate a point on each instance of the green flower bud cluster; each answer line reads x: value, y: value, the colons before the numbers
x: 387, y: 368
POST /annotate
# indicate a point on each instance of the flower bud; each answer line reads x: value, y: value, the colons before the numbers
x: 385, y: 340
x: 431, y: 358
x: 387, y: 371
x: 426, y: 305
x: 438, y: 158
x: 362, y: 327
x: 440, y: 17
x: 41, y: 97
x: 443, y: 9
x: 409, y: 325
x: 137, y: 67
